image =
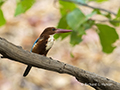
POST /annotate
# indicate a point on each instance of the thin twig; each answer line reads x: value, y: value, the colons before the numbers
x: 114, y: 21
x: 86, y: 5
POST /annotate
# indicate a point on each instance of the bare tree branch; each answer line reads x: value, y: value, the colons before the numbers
x: 16, y: 53
x: 107, y: 20
x: 86, y: 5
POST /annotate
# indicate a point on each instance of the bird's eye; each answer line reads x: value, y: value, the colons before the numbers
x: 53, y: 29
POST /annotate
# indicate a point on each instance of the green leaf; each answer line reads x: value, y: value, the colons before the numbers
x: 98, y: 1
x: 81, y: 30
x: 75, y: 19
x: 97, y: 11
x: 108, y: 15
x: 19, y: 9
x: 115, y: 23
x: 88, y: 24
x: 90, y: 15
x: 75, y: 38
x: 62, y: 24
x: 62, y: 36
x: 79, y: 23
x: 66, y: 7
x: 23, y: 6
x: 118, y: 14
x: 71, y: 54
x: 108, y: 36
x: 56, y: 36
x: 1, y: 2
x: 116, y: 19
x: 2, y: 19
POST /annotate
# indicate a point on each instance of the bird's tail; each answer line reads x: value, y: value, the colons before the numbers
x: 27, y: 70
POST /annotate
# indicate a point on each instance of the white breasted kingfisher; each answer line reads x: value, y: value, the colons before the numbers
x: 44, y: 43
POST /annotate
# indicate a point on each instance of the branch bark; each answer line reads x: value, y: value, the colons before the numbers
x: 16, y: 53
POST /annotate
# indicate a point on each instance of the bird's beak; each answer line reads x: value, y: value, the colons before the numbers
x: 62, y: 31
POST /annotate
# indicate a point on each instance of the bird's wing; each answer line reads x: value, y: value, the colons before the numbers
x: 34, y: 43
x: 38, y: 39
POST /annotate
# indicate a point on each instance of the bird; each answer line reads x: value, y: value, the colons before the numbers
x: 44, y: 43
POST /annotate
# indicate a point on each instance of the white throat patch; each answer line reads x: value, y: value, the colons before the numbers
x: 50, y: 42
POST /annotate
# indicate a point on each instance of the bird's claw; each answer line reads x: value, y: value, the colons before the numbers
x: 50, y: 57
x: 2, y: 57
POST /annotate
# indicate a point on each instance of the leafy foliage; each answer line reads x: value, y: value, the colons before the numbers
x: 1, y: 2
x: 23, y: 6
x: 108, y: 36
x: 75, y: 38
x: 98, y: 1
x: 73, y: 18
x: 2, y: 19
x: 65, y: 8
x: 117, y: 18
x: 78, y: 22
x: 62, y: 24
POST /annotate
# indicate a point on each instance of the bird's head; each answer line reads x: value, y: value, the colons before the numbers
x: 53, y: 30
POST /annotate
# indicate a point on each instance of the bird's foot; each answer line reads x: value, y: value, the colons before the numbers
x: 50, y: 58
x: 2, y: 57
